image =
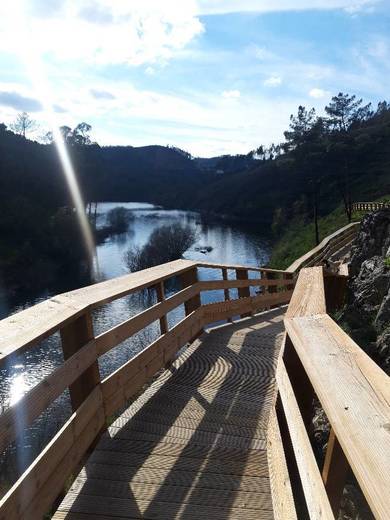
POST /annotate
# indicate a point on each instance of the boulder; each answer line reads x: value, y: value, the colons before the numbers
x: 367, y: 312
x: 373, y: 239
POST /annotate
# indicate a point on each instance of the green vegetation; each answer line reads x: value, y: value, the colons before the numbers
x: 301, y: 189
x: 300, y: 238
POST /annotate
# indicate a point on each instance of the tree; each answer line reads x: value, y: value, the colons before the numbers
x: 119, y: 218
x: 78, y: 136
x: 81, y: 134
x: 166, y: 243
x: 344, y: 113
x: 300, y: 126
x: 345, y: 110
x: 23, y: 124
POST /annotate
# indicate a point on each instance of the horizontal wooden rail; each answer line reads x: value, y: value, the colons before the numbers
x: 32, y: 404
x: 353, y: 391
x: 95, y: 401
x: 32, y: 495
x: 31, y: 325
x: 326, y: 248
x: 315, y: 494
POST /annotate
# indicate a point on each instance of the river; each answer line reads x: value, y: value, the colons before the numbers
x: 231, y: 244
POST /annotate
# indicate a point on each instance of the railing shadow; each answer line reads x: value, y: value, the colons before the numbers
x: 198, y: 445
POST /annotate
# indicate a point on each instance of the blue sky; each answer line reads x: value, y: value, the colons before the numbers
x: 209, y: 76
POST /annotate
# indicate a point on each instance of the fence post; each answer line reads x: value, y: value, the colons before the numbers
x: 335, y: 471
x: 188, y: 278
x: 74, y: 336
x: 160, y: 298
x: 289, y: 276
x: 226, y: 291
x: 243, y: 292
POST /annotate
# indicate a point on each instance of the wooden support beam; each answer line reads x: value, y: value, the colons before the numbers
x: 300, y: 382
x: 243, y: 292
x: 74, y: 336
x: 335, y: 471
x: 160, y: 298
x: 188, y: 278
x: 226, y: 291
x: 316, y: 498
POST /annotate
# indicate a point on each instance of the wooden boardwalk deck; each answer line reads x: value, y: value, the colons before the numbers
x: 194, y: 445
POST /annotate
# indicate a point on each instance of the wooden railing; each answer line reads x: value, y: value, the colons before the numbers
x: 330, y: 245
x: 370, y: 206
x: 321, y: 360
x: 94, y: 400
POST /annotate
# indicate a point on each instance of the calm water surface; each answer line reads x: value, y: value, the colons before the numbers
x: 231, y: 245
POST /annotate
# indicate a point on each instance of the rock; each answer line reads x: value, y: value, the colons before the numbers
x: 383, y: 349
x: 367, y: 313
x: 373, y: 239
x: 367, y: 291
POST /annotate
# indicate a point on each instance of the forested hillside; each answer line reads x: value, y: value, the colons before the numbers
x: 325, y: 162
x: 324, y: 165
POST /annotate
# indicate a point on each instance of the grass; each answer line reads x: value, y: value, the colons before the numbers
x: 299, y: 237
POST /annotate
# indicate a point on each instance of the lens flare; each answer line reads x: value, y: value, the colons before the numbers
x: 30, y: 54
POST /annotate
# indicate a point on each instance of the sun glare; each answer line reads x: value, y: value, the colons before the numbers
x: 30, y: 54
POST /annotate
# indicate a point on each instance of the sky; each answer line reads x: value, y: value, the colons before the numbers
x: 209, y: 76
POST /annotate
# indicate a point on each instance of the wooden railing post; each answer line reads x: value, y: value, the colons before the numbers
x: 75, y: 335
x: 243, y: 292
x: 160, y: 298
x: 335, y: 471
x: 289, y: 276
x: 271, y: 288
x: 188, y: 278
x: 226, y: 291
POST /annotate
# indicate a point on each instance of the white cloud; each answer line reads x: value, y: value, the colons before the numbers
x: 102, y: 31
x: 231, y: 94
x: 233, y: 6
x: 273, y: 81
x: 318, y: 93
x: 261, y: 53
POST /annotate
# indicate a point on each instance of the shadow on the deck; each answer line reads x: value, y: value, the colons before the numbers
x: 197, y: 446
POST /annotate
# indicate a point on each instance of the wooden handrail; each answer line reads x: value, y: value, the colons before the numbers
x: 370, y: 206
x: 329, y: 244
x: 353, y: 391
x: 31, y: 325
x: 94, y: 400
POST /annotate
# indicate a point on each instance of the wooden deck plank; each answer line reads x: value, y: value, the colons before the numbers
x: 194, y: 444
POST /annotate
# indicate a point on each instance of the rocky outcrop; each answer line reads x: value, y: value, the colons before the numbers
x: 367, y: 313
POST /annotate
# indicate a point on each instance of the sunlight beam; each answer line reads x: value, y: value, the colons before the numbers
x: 31, y: 57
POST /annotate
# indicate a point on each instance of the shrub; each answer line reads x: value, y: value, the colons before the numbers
x: 118, y: 219
x: 165, y: 244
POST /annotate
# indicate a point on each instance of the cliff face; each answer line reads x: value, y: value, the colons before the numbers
x: 367, y: 313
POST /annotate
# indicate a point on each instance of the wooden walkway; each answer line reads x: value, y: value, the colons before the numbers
x: 194, y: 445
